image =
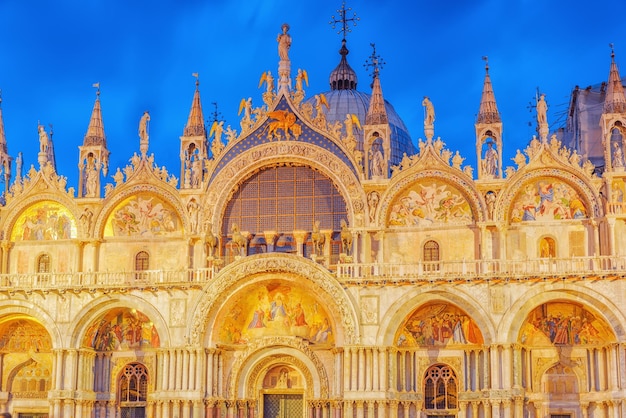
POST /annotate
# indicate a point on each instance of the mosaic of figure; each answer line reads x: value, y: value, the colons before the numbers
x: 564, y: 323
x: 44, y: 221
x: 430, y: 202
x: 142, y: 215
x: 438, y: 324
x: 122, y: 329
x: 272, y: 309
x: 547, y: 199
x: 21, y: 336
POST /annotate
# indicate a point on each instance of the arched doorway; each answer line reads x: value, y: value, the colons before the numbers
x: 283, y: 393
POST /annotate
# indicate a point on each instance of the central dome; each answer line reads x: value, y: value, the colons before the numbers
x: 343, y: 98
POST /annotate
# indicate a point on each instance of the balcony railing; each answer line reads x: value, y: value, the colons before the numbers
x: 485, y: 269
x: 356, y: 273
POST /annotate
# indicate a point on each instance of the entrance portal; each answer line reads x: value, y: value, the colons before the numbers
x: 279, y: 405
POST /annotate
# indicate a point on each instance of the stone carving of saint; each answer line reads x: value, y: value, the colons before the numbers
x: 618, y: 156
x: 491, y: 160
x: 284, y: 43
x: 376, y: 161
x: 542, y: 110
x: 43, y: 139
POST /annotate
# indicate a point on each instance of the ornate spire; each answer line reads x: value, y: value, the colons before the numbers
x: 95, y: 130
x: 3, y: 139
x: 614, y: 101
x: 488, y: 112
x: 343, y: 76
x: 195, y: 123
x: 376, y: 114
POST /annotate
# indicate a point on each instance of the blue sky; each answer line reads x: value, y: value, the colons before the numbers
x: 143, y: 54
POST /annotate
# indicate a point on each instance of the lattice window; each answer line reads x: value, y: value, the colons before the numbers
x: 43, y: 263
x: 440, y: 388
x: 284, y: 199
x: 142, y: 261
x: 133, y: 391
x: 431, y: 256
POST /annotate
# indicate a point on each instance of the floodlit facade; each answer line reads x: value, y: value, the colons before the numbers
x: 311, y: 263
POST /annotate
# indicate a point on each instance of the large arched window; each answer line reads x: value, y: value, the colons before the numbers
x: 431, y: 256
x: 133, y: 391
x: 440, y: 389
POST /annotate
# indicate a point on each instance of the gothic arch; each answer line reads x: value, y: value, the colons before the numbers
x: 92, y: 311
x: 271, y: 154
x: 131, y: 190
x: 58, y: 198
x: 256, y: 268
x: 586, y: 191
x: 258, y: 357
x: 509, y: 327
x: 407, y: 304
x: 460, y: 184
x: 24, y: 308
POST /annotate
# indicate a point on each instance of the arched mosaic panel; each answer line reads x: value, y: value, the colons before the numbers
x: 564, y: 323
x: 438, y: 324
x: 427, y: 202
x: 275, y: 308
x: 122, y: 329
x: 24, y: 335
x: 547, y: 199
x: 45, y: 220
x: 143, y: 214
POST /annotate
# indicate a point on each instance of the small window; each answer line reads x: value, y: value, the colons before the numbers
x: 43, y: 263
x: 142, y: 261
x: 431, y: 256
x: 133, y: 391
x: 547, y: 248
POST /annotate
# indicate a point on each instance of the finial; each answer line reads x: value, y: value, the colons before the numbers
x: 374, y: 61
x: 197, y: 76
x: 0, y: 96
x: 97, y: 86
x: 486, y: 59
x: 344, y: 20
x: 216, y: 115
x: 612, y: 50
x: 51, y: 130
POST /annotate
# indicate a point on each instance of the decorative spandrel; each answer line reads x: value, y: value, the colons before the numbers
x: 275, y: 308
x: 438, y: 324
x: 143, y: 215
x: 46, y: 220
x: 430, y: 202
x: 547, y: 199
x: 564, y: 323
x: 122, y: 329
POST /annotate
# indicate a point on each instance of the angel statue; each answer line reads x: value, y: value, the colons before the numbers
x: 217, y: 129
x: 351, y: 121
x: 268, y: 79
x: 246, y: 106
x: 300, y: 77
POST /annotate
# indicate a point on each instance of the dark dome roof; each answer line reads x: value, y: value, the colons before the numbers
x: 342, y: 102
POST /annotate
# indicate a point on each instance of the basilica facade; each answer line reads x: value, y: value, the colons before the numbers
x: 311, y: 262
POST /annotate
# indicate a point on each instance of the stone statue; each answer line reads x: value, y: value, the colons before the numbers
x: 376, y: 161
x: 491, y: 160
x: 284, y: 43
x: 44, y: 142
x: 429, y: 117
x: 143, y: 132
x: 542, y: 110
x: 618, y: 156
